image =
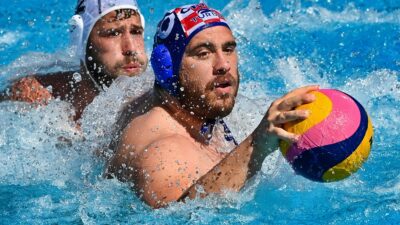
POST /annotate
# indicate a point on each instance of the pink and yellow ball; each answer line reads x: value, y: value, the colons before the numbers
x: 334, y: 141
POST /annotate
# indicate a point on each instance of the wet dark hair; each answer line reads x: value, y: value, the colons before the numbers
x: 125, y: 13
x: 122, y: 14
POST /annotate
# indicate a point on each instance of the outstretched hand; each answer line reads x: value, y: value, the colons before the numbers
x: 281, y: 111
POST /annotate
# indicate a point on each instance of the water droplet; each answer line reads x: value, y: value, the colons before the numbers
x: 90, y: 58
x: 182, y: 88
x: 31, y: 23
x: 77, y: 77
x: 50, y: 88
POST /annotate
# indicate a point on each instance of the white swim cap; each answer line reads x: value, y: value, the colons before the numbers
x: 87, y: 13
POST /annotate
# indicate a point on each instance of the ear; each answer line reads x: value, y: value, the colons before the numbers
x: 163, y: 69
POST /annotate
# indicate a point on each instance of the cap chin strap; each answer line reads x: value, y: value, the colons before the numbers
x: 207, y: 129
x: 98, y: 87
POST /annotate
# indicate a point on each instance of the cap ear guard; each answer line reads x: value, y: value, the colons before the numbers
x: 161, y: 62
x: 76, y: 33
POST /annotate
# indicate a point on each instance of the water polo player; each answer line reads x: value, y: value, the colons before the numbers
x: 180, y: 142
x: 108, y: 38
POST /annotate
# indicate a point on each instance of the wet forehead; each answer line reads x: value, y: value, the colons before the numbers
x: 217, y: 35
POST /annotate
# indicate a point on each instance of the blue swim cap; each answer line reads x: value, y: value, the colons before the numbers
x: 174, y: 32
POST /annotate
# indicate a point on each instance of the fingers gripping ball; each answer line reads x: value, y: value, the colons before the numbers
x: 334, y: 140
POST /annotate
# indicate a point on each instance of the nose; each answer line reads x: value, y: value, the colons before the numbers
x: 221, y: 64
x: 128, y: 45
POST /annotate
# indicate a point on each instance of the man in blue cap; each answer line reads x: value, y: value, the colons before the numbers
x: 177, y: 141
x: 108, y: 36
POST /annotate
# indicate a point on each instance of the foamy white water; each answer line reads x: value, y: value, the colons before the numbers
x: 9, y: 38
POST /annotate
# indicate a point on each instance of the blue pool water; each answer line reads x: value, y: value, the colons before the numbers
x: 353, y: 46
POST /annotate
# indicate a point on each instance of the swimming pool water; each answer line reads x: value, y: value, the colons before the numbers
x: 353, y: 46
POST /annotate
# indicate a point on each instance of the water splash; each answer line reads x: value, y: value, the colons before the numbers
x: 36, y: 63
x: 45, y: 178
x: 9, y: 38
x: 36, y: 146
x: 98, y: 118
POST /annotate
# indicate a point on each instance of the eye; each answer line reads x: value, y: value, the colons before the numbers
x: 230, y: 49
x: 137, y: 31
x: 114, y: 33
x: 110, y: 33
x: 203, y: 54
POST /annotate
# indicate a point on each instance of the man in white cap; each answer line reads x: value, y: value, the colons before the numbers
x: 108, y: 38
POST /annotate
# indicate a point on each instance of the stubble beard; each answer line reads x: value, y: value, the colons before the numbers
x: 104, y: 76
x: 204, y: 103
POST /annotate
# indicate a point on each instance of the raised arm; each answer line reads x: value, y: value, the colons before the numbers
x: 246, y: 159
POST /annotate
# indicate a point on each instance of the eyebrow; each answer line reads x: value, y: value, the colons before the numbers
x: 205, y: 44
x: 211, y: 46
x: 119, y: 27
x: 229, y: 44
x: 137, y: 27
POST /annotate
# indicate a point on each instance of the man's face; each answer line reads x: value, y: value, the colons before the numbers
x: 209, y: 74
x: 116, y: 46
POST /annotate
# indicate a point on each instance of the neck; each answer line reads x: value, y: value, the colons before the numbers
x: 193, y: 124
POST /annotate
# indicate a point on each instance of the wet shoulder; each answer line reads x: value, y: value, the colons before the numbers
x: 156, y: 122
x: 149, y: 128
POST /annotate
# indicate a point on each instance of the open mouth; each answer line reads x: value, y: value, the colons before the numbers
x: 223, y: 86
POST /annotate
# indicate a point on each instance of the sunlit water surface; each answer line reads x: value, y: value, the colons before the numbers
x: 353, y: 46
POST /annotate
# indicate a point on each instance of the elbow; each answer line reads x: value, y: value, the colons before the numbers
x: 159, y: 199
